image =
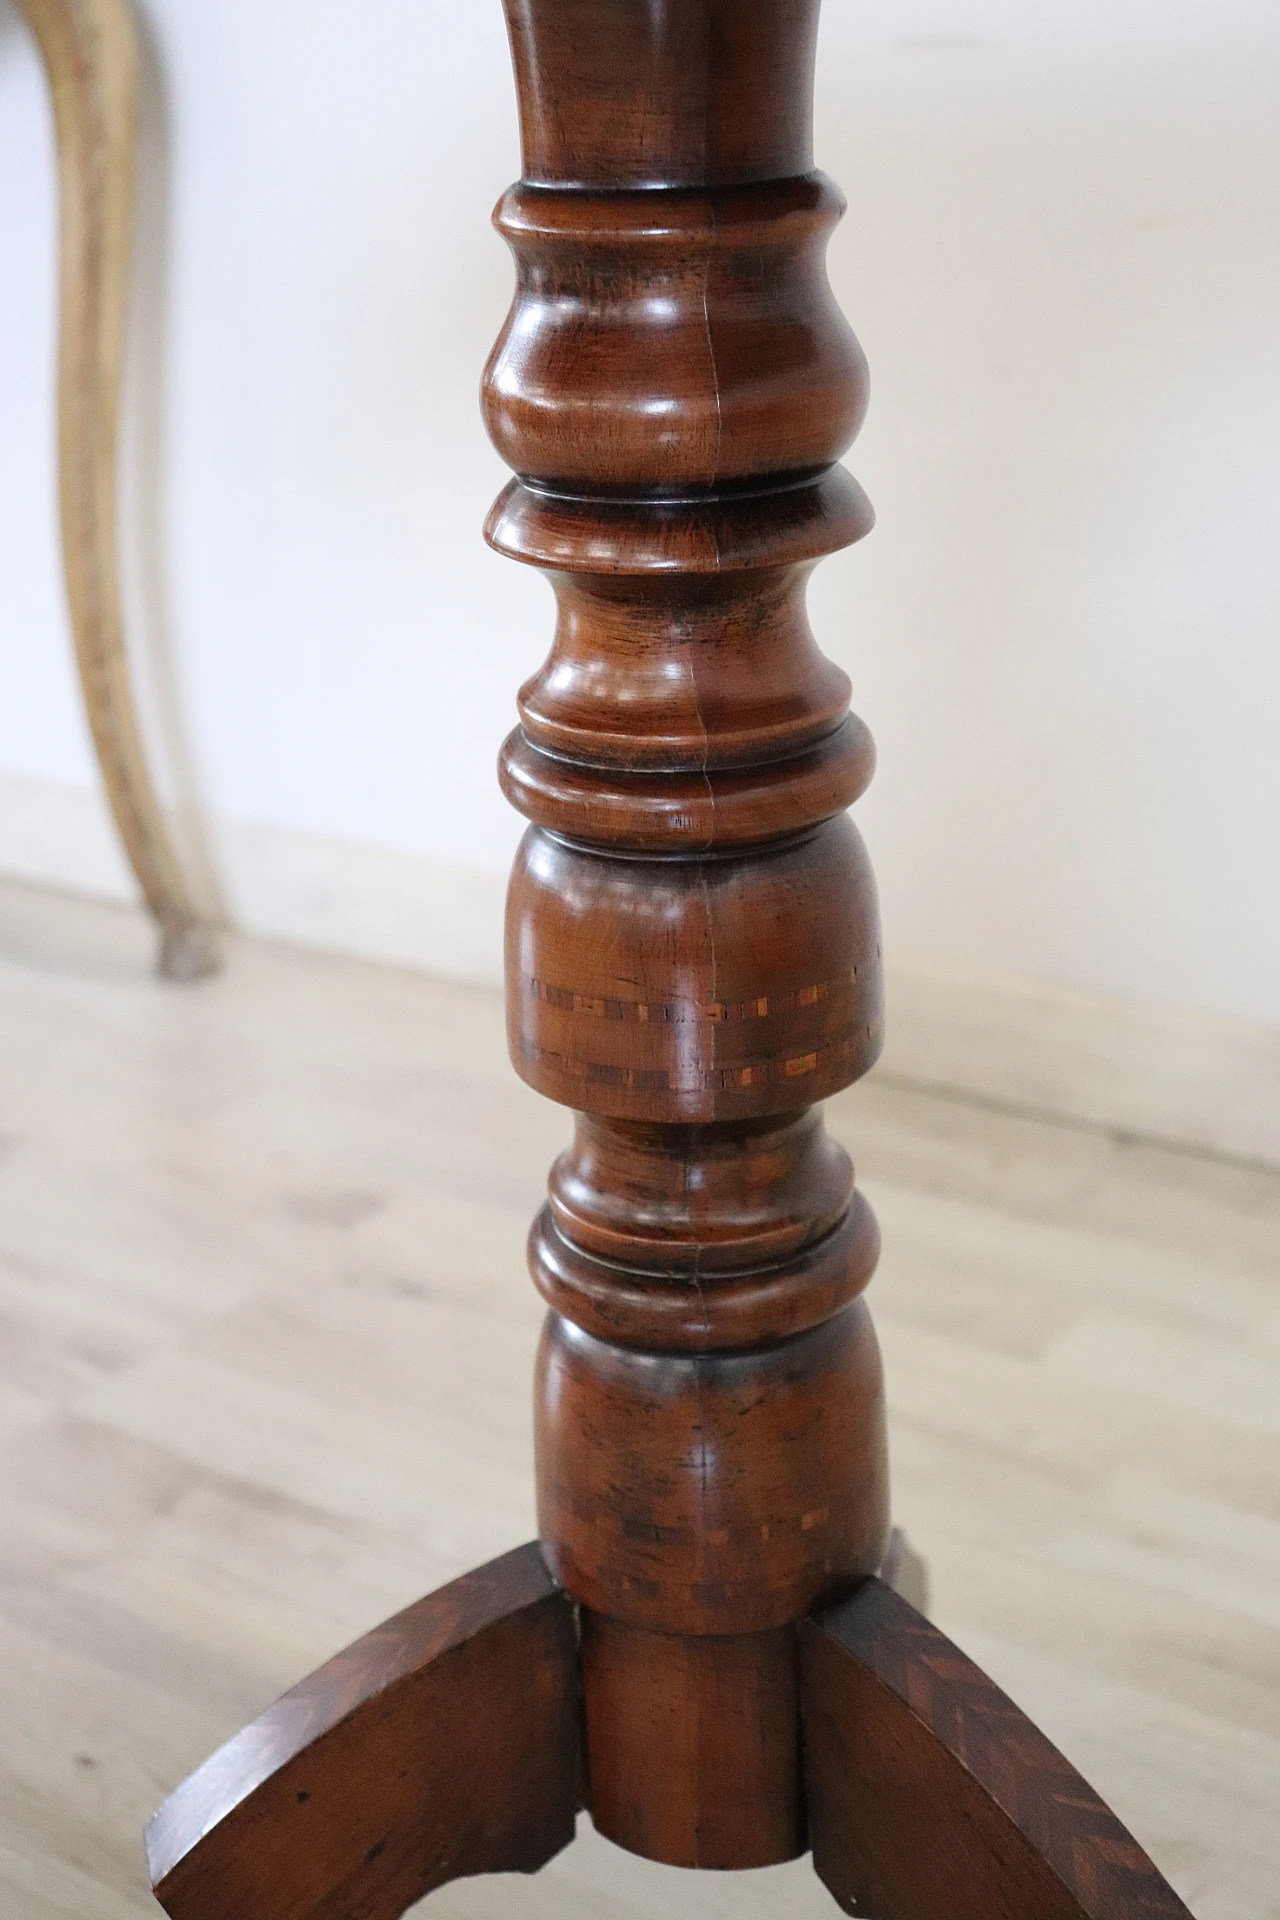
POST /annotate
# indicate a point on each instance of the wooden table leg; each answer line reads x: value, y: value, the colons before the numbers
x: 443, y: 1744
x: 931, y: 1795
x: 693, y: 965
x: 90, y: 52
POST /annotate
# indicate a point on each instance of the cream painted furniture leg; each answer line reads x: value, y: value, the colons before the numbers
x: 90, y: 51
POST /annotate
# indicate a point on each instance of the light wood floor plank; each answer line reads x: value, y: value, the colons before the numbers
x: 265, y: 1350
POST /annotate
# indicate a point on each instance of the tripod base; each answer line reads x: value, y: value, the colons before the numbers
x: 446, y: 1743
x: 442, y: 1744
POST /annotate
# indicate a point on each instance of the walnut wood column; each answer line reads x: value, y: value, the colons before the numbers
x: 693, y: 958
x: 692, y: 966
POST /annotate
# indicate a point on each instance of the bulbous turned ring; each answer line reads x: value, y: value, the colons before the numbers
x: 692, y: 1313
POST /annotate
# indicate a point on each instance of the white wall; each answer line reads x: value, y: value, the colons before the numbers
x: 1063, y: 257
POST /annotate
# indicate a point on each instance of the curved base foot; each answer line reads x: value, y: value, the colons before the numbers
x: 443, y: 1744
x: 931, y: 1794
x: 446, y: 1743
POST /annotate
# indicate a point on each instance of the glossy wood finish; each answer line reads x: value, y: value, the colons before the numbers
x: 695, y: 990
x: 712, y: 1492
x: 736, y: 1196
x: 701, y: 1311
x: 719, y: 1708
x: 695, y: 332
x: 90, y: 52
x: 267, y: 1359
x: 442, y: 1744
x: 664, y: 92
x: 930, y: 1794
x: 693, y: 963
x: 693, y: 952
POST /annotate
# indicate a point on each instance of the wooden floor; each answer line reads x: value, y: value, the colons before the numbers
x: 265, y: 1346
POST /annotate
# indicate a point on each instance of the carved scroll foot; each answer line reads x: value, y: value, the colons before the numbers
x: 930, y: 1794
x: 443, y: 1744
x: 90, y: 52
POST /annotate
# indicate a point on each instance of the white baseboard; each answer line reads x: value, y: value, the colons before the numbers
x: 364, y: 900
x: 60, y: 836
x: 1191, y: 1079
x: 305, y: 888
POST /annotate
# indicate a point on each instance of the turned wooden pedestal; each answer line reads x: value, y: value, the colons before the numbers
x: 697, y: 1649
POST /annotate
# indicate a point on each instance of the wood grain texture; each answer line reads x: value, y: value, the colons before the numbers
x: 696, y: 1312
x: 704, y: 810
x: 736, y: 1196
x: 664, y: 94
x: 264, y: 1379
x: 442, y: 1744
x: 694, y: 991
x: 693, y: 954
x: 668, y: 343
x: 930, y: 1793
x: 90, y: 53
x: 723, y: 1710
x: 691, y: 972
x: 712, y: 1493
